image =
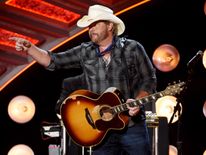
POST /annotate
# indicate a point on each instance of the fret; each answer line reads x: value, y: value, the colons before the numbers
x: 125, y: 106
x: 121, y: 107
x: 129, y: 103
x: 140, y: 101
x: 115, y: 110
x: 146, y: 99
x: 161, y: 94
x: 135, y: 103
x: 118, y: 109
x: 153, y: 97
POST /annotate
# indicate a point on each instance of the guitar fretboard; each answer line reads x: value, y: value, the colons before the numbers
x: 139, y: 102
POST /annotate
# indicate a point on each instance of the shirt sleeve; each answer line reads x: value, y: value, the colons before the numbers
x: 65, y: 60
x: 147, y: 73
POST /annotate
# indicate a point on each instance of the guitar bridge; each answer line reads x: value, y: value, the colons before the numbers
x: 89, y: 118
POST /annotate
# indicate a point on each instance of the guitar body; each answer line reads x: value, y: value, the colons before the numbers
x: 87, y: 116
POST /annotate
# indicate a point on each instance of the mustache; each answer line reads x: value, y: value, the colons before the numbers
x: 92, y: 33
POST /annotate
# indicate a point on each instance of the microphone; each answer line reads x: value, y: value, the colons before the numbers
x: 195, y: 59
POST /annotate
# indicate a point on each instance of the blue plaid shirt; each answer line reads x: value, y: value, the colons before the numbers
x: 130, y: 69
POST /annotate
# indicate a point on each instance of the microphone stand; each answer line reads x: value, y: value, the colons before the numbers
x: 177, y: 109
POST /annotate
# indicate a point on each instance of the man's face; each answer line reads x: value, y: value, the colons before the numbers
x: 99, y: 31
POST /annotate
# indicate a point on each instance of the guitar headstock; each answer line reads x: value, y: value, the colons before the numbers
x: 176, y: 88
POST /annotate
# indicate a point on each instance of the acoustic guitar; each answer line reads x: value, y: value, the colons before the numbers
x: 88, y: 117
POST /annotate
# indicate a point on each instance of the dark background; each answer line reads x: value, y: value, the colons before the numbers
x: 180, y: 23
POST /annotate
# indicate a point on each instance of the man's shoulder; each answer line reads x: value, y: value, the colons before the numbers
x: 130, y: 44
x: 129, y: 41
x: 86, y: 44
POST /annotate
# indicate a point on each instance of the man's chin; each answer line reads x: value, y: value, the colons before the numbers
x: 94, y: 40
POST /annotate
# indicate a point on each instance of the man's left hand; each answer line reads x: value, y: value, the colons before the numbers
x: 133, y: 111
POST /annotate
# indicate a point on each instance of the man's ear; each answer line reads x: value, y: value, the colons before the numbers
x: 110, y: 26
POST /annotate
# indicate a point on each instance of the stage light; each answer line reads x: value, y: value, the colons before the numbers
x: 204, y: 153
x: 172, y: 150
x: 204, y: 109
x: 20, y: 149
x: 21, y: 109
x: 166, y: 58
x: 204, y: 59
x: 165, y: 107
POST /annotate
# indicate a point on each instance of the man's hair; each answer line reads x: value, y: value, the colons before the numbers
x: 114, y: 28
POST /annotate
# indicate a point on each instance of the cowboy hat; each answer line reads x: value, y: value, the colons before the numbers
x: 99, y: 12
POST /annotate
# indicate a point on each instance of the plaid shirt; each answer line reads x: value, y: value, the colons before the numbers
x: 129, y: 70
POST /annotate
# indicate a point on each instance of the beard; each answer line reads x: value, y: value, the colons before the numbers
x: 97, y: 38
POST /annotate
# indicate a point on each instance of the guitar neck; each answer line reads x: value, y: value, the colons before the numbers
x: 137, y: 103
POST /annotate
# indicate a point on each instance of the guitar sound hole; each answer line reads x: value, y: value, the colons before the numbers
x: 106, y: 113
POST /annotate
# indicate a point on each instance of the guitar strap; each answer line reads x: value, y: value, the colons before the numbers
x: 141, y: 115
x: 123, y: 41
x: 123, y: 57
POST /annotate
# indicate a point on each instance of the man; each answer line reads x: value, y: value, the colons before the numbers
x: 108, y: 61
